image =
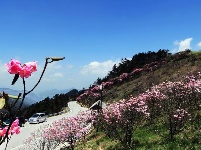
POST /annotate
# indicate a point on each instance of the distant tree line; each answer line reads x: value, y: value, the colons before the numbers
x: 51, y: 105
x: 137, y: 61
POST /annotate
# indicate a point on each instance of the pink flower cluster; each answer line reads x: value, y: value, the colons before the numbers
x: 63, y: 131
x: 15, y: 67
x: 69, y: 129
x: 114, y: 113
x: 138, y: 70
x: 179, y: 114
x: 14, y: 129
x: 92, y: 93
x: 123, y: 76
x: 88, y: 94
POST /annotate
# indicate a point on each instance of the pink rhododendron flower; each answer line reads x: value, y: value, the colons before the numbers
x: 14, y: 128
x: 32, y: 66
x: 3, y: 132
x: 25, y: 72
x: 14, y: 66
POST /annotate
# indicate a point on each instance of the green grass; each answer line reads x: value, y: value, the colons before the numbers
x: 145, y: 138
x: 96, y: 141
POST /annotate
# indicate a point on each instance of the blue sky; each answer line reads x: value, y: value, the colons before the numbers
x: 92, y: 35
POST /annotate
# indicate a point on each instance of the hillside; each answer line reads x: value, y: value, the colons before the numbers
x: 171, y: 68
x: 164, y: 116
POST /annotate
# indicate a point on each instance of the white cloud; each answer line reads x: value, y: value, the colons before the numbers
x: 54, y: 66
x: 2, y: 68
x: 69, y: 66
x: 98, y: 68
x: 183, y: 45
x: 58, y: 75
x: 199, y: 44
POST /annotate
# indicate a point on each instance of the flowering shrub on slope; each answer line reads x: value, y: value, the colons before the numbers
x: 90, y: 95
x: 120, y: 119
x: 173, y: 103
x: 64, y: 131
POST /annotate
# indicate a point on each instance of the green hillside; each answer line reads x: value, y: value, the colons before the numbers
x: 174, y: 69
x: 171, y: 67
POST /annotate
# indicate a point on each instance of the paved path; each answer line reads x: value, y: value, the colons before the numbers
x: 16, y: 141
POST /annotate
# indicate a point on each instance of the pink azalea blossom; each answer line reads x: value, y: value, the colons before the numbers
x: 25, y: 72
x: 32, y: 66
x: 14, y: 66
x: 14, y: 129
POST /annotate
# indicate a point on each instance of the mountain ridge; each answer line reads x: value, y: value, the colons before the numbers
x: 36, y: 97
x: 52, y: 92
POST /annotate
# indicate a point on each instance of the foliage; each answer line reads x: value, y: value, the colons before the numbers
x: 51, y: 105
x: 119, y: 120
x: 137, y: 61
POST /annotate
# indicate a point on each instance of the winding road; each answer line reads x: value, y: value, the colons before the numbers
x: 17, y: 141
